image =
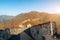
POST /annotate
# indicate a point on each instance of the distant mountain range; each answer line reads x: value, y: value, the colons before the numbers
x: 5, y: 17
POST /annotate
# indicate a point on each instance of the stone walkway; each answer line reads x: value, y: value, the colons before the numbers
x: 48, y: 37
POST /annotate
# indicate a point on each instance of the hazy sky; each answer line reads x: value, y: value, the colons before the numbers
x: 15, y: 7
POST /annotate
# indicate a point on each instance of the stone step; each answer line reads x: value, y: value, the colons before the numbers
x: 24, y: 36
x: 48, y: 37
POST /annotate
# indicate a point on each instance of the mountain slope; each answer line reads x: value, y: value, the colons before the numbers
x: 31, y: 15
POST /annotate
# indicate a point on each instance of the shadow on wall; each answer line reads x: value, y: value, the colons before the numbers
x: 14, y: 37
